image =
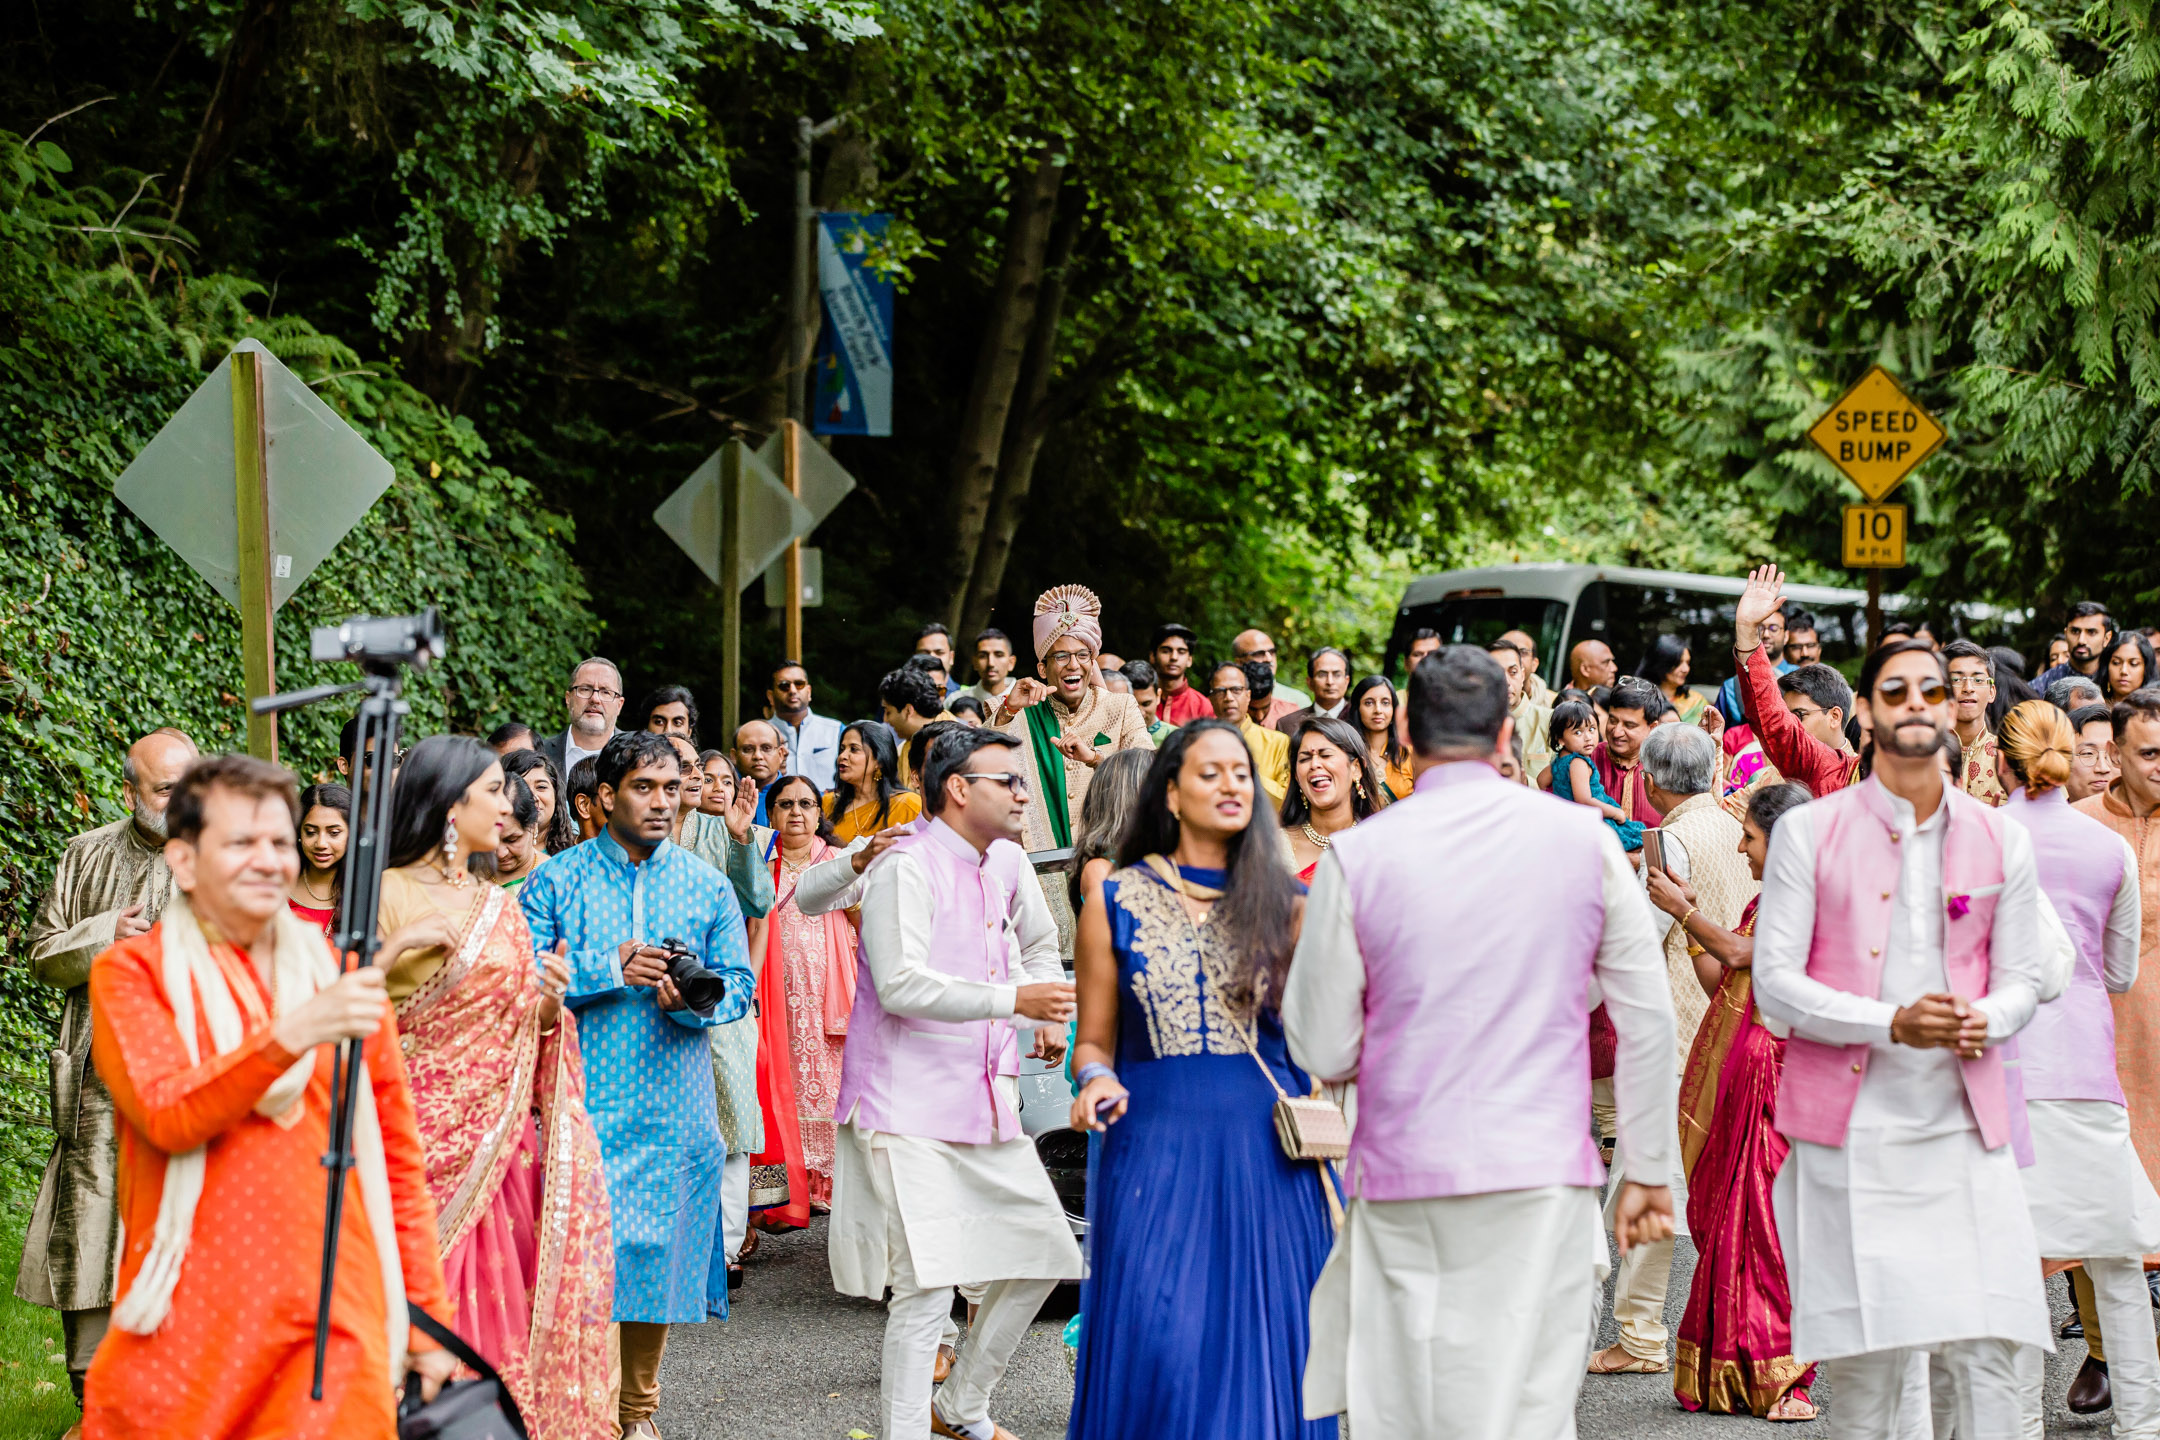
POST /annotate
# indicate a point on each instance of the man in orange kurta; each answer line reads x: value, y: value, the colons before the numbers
x: 233, y: 1355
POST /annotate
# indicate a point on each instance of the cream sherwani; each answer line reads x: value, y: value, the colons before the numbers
x: 1912, y: 1235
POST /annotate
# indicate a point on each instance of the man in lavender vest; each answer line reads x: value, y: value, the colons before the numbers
x: 1460, y: 1300
x: 2090, y: 1197
x: 934, y: 1182
x: 1898, y: 940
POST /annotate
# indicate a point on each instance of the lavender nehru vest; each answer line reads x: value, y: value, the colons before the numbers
x: 2068, y: 1051
x: 1478, y: 907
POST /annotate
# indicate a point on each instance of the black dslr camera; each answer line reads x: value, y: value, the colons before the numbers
x: 701, y: 989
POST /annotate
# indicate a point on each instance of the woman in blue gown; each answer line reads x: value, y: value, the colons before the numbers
x: 1205, y: 1239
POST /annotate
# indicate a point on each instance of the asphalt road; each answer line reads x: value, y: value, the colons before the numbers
x: 798, y: 1362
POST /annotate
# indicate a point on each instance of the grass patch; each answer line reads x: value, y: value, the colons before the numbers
x: 35, y: 1402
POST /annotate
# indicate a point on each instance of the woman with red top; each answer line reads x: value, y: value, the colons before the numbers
x: 1333, y: 785
x: 325, y: 826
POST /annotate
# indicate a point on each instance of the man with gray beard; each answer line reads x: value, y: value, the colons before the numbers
x: 111, y: 884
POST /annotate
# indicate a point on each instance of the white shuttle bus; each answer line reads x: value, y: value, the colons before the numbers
x: 1560, y: 605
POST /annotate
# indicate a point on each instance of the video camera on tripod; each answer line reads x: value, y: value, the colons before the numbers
x: 384, y: 647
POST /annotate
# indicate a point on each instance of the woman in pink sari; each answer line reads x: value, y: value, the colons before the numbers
x: 1735, y: 1348
x: 499, y: 1087
x: 806, y: 990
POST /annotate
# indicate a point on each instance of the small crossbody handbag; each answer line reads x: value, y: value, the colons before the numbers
x: 1308, y: 1127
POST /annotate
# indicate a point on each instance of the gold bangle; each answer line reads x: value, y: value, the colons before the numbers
x: 1684, y: 919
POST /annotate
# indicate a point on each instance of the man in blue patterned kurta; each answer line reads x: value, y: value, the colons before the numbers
x: 648, y: 1071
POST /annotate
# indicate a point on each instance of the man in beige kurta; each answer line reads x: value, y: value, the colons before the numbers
x: 1702, y: 849
x: 111, y: 883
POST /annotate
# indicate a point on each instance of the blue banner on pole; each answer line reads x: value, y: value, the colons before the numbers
x: 853, y: 364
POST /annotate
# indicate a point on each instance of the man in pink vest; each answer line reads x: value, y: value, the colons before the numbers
x: 934, y: 1182
x: 1898, y: 939
x: 1462, y: 1293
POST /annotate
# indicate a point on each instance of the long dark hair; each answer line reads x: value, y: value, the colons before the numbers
x: 817, y: 797
x: 1347, y: 737
x: 329, y: 797
x: 1665, y: 654
x: 561, y: 832
x: 435, y: 776
x: 877, y: 737
x: 1259, y: 898
x: 1113, y: 794
x: 1397, y: 752
x: 2133, y: 640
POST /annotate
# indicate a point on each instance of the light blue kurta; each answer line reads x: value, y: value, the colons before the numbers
x: 648, y: 1072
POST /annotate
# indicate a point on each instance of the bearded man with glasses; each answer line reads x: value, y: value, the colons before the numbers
x: 1898, y: 939
x: 1065, y: 721
x: 594, y: 698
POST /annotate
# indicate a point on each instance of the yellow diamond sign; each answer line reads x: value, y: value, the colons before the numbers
x: 1877, y: 434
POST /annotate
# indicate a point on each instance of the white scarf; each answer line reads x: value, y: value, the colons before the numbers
x: 301, y: 964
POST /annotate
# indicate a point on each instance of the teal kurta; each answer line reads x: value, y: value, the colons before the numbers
x: 648, y: 1072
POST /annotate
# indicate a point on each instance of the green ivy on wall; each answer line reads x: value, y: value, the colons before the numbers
x: 105, y: 633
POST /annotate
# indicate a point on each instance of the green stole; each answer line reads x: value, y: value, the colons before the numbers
x: 1050, y: 767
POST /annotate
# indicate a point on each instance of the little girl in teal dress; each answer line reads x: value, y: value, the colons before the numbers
x: 1573, y: 734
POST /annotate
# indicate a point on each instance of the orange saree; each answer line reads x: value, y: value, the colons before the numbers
x: 514, y: 1165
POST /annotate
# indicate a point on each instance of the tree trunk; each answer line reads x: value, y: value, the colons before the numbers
x: 997, y: 369
x: 1024, y: 433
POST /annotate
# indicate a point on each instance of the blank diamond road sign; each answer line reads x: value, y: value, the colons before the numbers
x: 323, y: 478
x: 1876, y: 433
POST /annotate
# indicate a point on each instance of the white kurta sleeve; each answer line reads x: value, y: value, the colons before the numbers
x: 896, y: 921
x: 2125, y: 927
x: 1784, y: 930
x: 1630, y: 970
x: 1035, y: 932
x: 1324, y: 1000
x: 831, y: 884
x: 2015, y: 961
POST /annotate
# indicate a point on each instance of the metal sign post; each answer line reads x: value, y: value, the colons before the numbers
x: 251, y: 512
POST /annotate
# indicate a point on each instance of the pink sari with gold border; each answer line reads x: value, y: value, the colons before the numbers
x: 514, y: 1165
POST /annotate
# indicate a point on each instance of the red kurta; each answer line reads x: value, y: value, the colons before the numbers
x: 235, y: 1355
x: 1797, y: 754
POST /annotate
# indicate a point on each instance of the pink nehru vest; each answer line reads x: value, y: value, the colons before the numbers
x: 2068, y: 1051
x: 1479, y: 905
x: 936, y: 1079
x: 1857, y: 861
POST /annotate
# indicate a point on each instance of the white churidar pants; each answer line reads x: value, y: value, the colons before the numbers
x: 734, y: 1204
x: 1883, y: 1395
x: 1465, y: 1318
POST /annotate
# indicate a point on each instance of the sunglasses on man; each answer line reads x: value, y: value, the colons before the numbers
x: 1895, y: 690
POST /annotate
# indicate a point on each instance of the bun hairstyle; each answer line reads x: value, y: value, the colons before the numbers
x: 2037, y: 740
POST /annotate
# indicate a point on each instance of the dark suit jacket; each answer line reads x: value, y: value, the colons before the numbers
x: 1288, y: 723
x: 552, y: 747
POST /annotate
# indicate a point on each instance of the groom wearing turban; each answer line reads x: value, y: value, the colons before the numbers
x: 1066, y: 721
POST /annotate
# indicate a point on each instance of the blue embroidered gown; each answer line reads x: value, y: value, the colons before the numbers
x: 1204, y: 1238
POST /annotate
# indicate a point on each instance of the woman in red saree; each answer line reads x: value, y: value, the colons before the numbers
x: 499, y: 1088
x: 1735, y: 1346
x: 806, y: 990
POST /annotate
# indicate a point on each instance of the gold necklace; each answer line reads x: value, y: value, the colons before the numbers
x: 310, y: 890
x: 1316, y: 837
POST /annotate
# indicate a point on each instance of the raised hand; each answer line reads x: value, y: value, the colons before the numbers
x: 1025, y: 692
x: 741, y: 811
x: 1765, y: 592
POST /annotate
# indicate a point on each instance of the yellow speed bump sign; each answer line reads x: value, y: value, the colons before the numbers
x: 1877, y: 434
x: 1874, y: 537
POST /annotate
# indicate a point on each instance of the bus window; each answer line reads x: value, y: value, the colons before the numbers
x: 1481, y: 619
x: 1627, y: 617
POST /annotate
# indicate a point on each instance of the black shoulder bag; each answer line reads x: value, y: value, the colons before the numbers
x: 463, y: 1409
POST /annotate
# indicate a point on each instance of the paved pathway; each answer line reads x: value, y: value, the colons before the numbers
x: 798, y: 1362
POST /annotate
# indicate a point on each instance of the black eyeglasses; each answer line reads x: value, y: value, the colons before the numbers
x: 587, y: 692
x: 1012, y: 781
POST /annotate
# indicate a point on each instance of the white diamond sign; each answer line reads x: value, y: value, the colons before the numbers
x: 323, y: 476
x: 771, y: 517
x: 824, y: 483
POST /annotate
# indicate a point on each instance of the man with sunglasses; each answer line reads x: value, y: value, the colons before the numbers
x: 594, y: 699
x: 935, y: 1183
x: 1898, y: 940
x: 1799, y: 717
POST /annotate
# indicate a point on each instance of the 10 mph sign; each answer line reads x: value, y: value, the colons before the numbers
x: 1876, y: 434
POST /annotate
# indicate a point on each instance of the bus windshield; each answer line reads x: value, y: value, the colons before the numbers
x: 1481, y: 619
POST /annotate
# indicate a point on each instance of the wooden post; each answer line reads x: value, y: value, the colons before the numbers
x: 251, y: 493
x: 1874, y: 608
x: 731, y: 588
x: 801, y: 277
x: 791, y: 571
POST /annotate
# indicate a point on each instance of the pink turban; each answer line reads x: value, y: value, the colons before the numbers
x: 1067, y: 610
